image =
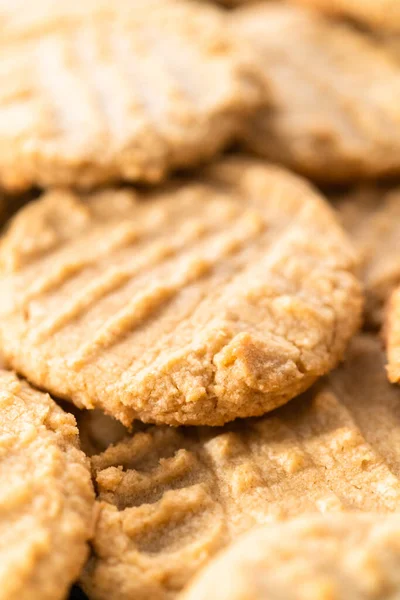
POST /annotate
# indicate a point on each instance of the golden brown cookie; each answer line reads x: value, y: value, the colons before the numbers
x: 97, y: 91
x: 46, y: 496
x: 372, y: 218
x: 169, y: 499
x: 216, y: 297
x: 377, y: 14
x: 331, y: 557
x: 334, y: 113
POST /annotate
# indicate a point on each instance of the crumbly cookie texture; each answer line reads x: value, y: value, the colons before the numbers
x: 98, y: 91
x: 332, y: 557
x: 333, y: 112
x: 371, y: 215
x: 46, y: 497
x: 170, y: 499
x: 213, y: 298
x: 383, y: 15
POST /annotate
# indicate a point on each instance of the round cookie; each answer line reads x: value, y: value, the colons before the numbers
x: 333, y: 113
x: 340, y: 557
x: 98, y: 91
x: 212, y: 298
x: 46, y: 496
x: 371, y: 215
x: 170, y: 499
x: 378, y: 14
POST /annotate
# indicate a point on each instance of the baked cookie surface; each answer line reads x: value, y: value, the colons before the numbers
x: 213, y: 298
x: 170, y: 499
x: 333, y: 111
x: 340, y: 557
x: 93, y: 92
x: 46, y: 496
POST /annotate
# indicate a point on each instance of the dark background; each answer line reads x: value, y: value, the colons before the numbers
x: 77, y: 594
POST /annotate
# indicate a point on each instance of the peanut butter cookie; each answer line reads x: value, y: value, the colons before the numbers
x: 170, y: 499
x: 335, y: 557
x: 333, y: 91
x: 96, y: 91
x: 217, y: 297
x: 46, y: 496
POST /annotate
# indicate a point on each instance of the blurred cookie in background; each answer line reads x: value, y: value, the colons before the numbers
x: 333, y: 92
x: 99, y: 91
x: 341, y: 557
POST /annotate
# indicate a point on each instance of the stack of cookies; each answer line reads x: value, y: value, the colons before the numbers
x: 200, y: 300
